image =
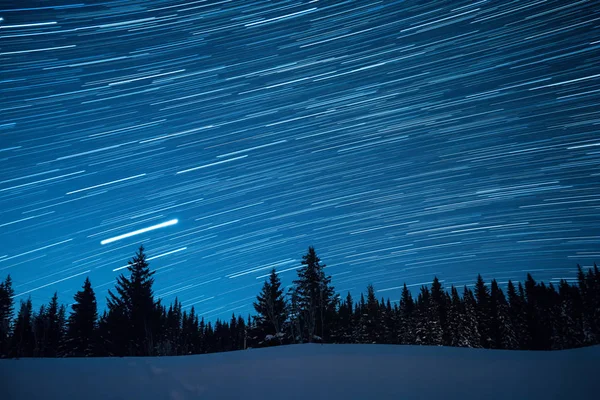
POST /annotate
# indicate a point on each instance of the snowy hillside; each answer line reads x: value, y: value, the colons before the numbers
x: 312, y: 372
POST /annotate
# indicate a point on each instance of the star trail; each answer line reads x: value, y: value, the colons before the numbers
x: 402, y: 139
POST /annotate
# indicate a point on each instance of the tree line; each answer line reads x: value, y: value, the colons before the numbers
x: 530, y: 316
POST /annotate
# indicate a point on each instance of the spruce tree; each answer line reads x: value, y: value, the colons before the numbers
x: 22, y: 340
x: 370, y: 319
x: 438, y: 313
x: 346, y: 320
x: 589, y: 286
x: 469, y: 326
x: 133, y: 313
x: 428, y: 330
x: 55, y: 316
x: 387, y: 323
x: 517, y: 313
x: 316, y: 297
x: 406, y: 331
x: 40, y: 331
x: 536, y: 306
x: 49, y: 329
x: 569, y: 333
x: 482, y: 295
x: 455, y: 317
x: 6, y: 314
x: 271, y: 308
x: 83, y: 323
x: 502, y: 329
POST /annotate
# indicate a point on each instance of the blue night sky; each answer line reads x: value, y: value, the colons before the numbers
x: 402, y: 139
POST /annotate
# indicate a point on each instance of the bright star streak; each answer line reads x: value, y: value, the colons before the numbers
x: 155, y: 257
x: 139, y: 231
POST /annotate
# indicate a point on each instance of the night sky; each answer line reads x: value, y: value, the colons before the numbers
x: 402, y: 139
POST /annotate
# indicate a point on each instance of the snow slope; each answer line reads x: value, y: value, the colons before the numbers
x: 348, y: 372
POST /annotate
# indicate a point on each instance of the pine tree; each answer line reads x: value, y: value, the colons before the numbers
x: 346, y: 320
x: 40, y: 327
x: 438, y: 314
x: 202, y: 336
x: 406, y: 331
x: 22, y: 340
x: 133, y: 314
x: 369, y: 319
x: 455, y: 318
x: 271, y: 308
x: 6, y: 314
x: 49, y: 329
x: 387, y: 323
x: 569, y: 333
x: 316, y: 298
x: 428, y: 330
x: 482, y: 295
x: 83, y: 323
x: 294, y: 315
x: 589, y: 286
x: 517, y: 312
x: 56, y: 327
x: 502, y: 330
x: 241, y: 333
x: 537, y: 306
x: 173, y: 325
x: 469, y: 326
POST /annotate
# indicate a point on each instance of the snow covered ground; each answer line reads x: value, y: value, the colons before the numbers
x: 348, y: 372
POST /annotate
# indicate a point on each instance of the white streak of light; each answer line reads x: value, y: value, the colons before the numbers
x: 139, y: 231
x: 210, y: 165
x: 51, y: 283
x: 33, y: 251
x: 155, y: 257
x: 106, y: 184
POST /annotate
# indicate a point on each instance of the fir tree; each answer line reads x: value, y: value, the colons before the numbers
x: 83, y: 323
x: 536, y: 306
x: 406, y: 331
x: 469, y: 326
x: 570, y: 326
x: 49, y: 329
x: 346, y: 321
x: 271, y: 308
x: 6, y: 314
x: 517, y: 313
x: 428, y: 330
x: 22, y: 340
x: 40, y: 332
x: 438, y: 314
x: 387, y: 323
x: 55, y: 327
x: 502, y: 330
x: 133, y: 314
x: 482, y: 295
x: 455, y: 318
x: 370, y: 319
x: 589, y: 284
x: 316, y: 297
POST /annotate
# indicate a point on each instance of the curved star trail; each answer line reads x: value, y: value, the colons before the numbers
x: 402, y: 139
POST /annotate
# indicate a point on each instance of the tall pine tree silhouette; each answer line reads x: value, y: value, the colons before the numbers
x: 6, y: 314
x: 469, y: 328
x: 482, y: 295
x: 316, y: 298
x: 271, y: 308
x: 406, y: 320
x: 83, y: 323
x: 502, y: 329
x: 133, y: 314
x: 22, y: 340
